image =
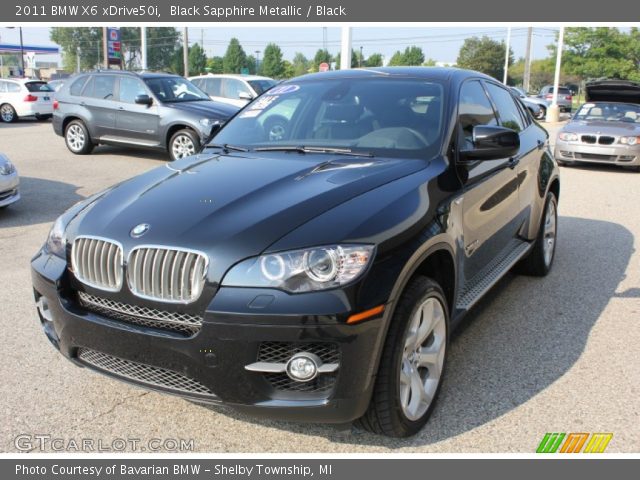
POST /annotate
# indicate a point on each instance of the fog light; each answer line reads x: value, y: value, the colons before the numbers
x: 43, y: 308
x: 303, y: 367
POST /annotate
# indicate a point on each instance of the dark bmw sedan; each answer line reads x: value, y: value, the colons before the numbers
x: 145, y: 110
x: 311, y: 263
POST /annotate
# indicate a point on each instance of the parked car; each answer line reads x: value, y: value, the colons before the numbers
x: 20, y: 98
x: 606, y: 129
x: 565, y: 97
x: 235, y: 90
x: 150, y: 110
x: 9, y: 182
x: 536, y: 106
x: 316, y: 276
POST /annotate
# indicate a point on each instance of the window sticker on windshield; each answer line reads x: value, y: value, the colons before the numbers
x: 250, y: 114
x: 263, y: 102
x: 283, y: 89
x: 585, y: 108
x: 589, y: 105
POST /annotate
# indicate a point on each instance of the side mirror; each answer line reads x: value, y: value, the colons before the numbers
x: 245, y: 96
x: 144, y: 100
x: 492, y: 143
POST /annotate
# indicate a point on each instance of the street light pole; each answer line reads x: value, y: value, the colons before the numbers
x: 553, y: 115
x: 360, y: 59
x: 22, y: 53
x: 506, y: 56
x: 257, y: 60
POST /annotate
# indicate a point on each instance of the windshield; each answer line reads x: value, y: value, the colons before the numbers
x: 609, y: 112
x: 38, y: 87
x: 261, y: 86
x: 384, y: 116
x: 175, y: 89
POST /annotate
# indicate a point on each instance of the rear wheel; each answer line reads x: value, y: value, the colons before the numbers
x: 542, y: 114
x: 412, y: 363
x: 540, y: 259
x: 182, y: 144
x: 8, y: 113
x: 77, y: 138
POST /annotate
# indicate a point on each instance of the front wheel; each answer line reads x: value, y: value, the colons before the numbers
x: 540, y: 259
x: 182, y: 144
x: 542, y: 114
x: 412, y: 363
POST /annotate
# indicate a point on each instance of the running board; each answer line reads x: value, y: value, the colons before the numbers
x: 475, y: 288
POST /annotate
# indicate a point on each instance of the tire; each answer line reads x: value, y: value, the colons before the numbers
x: 564, y: 163
x: 8, y: 113
x: 43, y: 118
x: 540, y: 260
x: 543, y: 113
x: 390, y: 411
x: 276, y: 128
x: 77, y: 138
x: 183, y: 143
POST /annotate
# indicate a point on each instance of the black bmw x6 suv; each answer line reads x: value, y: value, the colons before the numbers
x: 317, y: 273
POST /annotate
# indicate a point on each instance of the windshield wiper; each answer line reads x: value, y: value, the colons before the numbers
x: 304, y: 149
x: 227, y: 148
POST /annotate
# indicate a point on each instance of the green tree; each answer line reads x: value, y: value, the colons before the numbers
x: 397, y: 59
x: 288, y: 69
x: 272, y: 62
x: 321, y: 56
x: 374, y: 60
x: 429, y: 62
x: 197, y: 60
x: 484, y: 55
x: 85, y: 40
x: 161, y: 43
x: 354, y: 60
x: 235, y: 58
x: 413, y: 56
x: 215, y: 65
x: 252, y: 65
x: 300, y: 65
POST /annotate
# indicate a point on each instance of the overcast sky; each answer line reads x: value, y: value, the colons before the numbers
x: 439, y: 43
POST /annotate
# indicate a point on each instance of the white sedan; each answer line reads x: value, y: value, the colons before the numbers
x: 23, y: 97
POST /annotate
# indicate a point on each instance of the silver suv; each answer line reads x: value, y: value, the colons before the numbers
x: 565, y: 97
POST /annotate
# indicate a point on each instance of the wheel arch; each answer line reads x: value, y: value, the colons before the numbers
x: 172, y: 129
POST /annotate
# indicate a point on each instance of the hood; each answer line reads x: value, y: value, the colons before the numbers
x: 613, y: 91
x: 233, y: 206
x: 205, y: 108
x: 598, y: 127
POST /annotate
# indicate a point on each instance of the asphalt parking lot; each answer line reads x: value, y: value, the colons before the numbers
x: 559, y: 354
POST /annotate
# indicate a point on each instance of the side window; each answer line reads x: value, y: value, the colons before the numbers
x: 3, y: 87
x: 233, y: 87
x: 130, y: 88
x: 197, y: 82
x: 508, y: 111
x: 103, y: 87
x: 76, y: 87
x: 474, y: 109
x: 13, y: 87
x: 213, y: 87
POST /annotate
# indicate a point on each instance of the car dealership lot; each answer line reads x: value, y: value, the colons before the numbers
x: 559, y: 354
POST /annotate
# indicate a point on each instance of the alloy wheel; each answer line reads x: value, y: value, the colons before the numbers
x: 76, y: 138
x: 7, y: 113
x: 183, y: 146
x: 549, y: 238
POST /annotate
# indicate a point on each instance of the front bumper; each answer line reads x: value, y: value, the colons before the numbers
x: 215, y: 358
x: 9, y: 189
x: 604, y: 154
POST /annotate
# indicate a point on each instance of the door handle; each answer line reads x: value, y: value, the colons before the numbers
x: 541, y: 144
x: 120, y: 108
x: 514, y: 162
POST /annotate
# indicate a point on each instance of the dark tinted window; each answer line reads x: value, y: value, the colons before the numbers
x: 261, y: 86
x: 508, y: 111
x: 103, y: 87
x: 130, y: 88
x: 76, y: 86
x: 474, y: 109
x: 38, y: 87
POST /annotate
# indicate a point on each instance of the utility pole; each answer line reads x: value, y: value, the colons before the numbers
x: 105, y: 50
x: 143, y: 47
x: 345, y: 51
x: 257, y: 61
x: 553, y: 115
x: 527, y: 62
x: 324, y: 38
x: 185, y: 51
x: 22, y: 53
x: 360, y: 59
x: 506, y: 56
x: 78, y: 60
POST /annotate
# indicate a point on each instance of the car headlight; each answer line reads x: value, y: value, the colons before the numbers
x: 304, y: 270
x: 56, y: 241
x: 629, y: 140
x: 7, y: 168
x: 568, y: 136
x: 208, y: 122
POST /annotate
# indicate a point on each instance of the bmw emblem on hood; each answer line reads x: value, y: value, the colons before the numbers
x: 140, y: 230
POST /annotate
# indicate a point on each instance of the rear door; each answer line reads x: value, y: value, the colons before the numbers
x: 231, y: 89
x: 98, y: 98
x: 490, y: 201
x: 135, y: 123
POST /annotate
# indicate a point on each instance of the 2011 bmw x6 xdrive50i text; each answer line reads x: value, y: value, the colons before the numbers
x: 317, y: 274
